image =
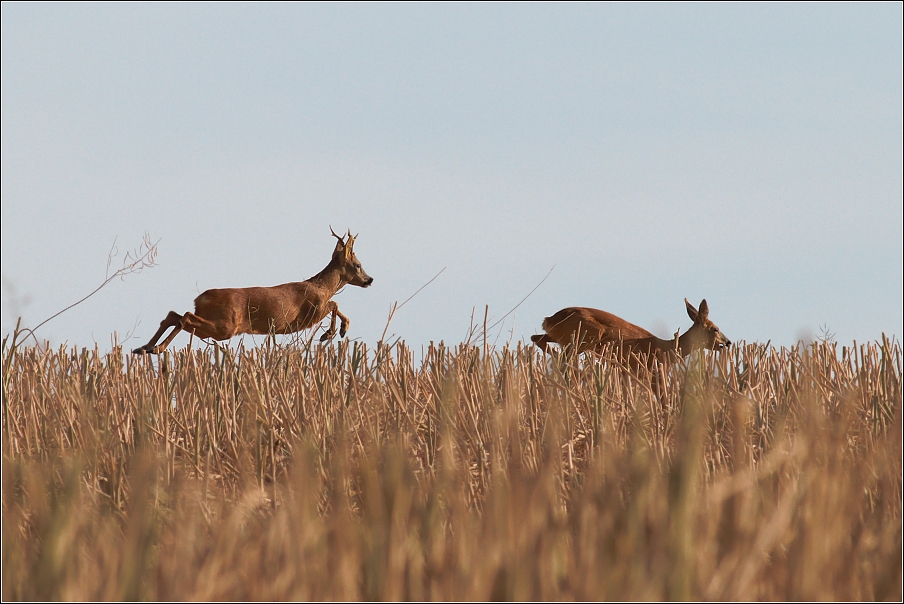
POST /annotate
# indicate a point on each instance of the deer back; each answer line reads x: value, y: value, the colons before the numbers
x: 590, y: 327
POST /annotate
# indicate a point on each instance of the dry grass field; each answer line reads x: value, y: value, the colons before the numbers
x: 350, y: 472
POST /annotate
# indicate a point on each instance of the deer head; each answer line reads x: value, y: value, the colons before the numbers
x: 344, y: 258
x: 704, y: 333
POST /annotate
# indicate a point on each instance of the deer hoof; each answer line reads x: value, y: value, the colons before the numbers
x: 326, y: 336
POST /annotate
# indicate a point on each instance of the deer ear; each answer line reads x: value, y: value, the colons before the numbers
x: 691, y: 311
x: 703, y: 313
x: 348, y: 246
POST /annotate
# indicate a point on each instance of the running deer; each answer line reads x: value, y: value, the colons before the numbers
x: 223, y: 313
x: 593, y: 329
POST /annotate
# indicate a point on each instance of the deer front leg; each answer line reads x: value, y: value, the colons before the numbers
x: 343, y: 326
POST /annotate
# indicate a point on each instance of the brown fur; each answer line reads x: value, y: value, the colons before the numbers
x: 223, y: 313
x: 592, y: 330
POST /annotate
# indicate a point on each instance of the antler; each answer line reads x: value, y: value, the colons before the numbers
x: 341, y: 240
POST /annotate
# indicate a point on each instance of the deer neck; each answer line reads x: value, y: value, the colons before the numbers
x: 662, y: 345
x: 329, y: 279
x: 687, y: 343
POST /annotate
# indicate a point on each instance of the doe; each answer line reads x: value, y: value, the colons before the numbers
x: 223, y: 313
x: 591, y: 330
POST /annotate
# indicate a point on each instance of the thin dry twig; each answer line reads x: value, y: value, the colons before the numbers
x: 134, y: 262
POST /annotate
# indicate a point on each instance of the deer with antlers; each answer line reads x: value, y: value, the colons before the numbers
x: 223, y: 313
x: 592, y: 330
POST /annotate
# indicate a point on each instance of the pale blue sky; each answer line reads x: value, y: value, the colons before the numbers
x: 746, y: 154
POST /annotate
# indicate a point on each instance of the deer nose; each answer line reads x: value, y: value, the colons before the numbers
x: 368, y: 281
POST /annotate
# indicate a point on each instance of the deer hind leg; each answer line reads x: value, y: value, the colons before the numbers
x: 198, y: 326
x: 189, y: 322
x: 343, y: 326
x: 205, y: 328
x: 542, y: 342
x: 173, y: 319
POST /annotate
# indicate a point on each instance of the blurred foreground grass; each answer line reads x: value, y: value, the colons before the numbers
x: 343, y: 472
